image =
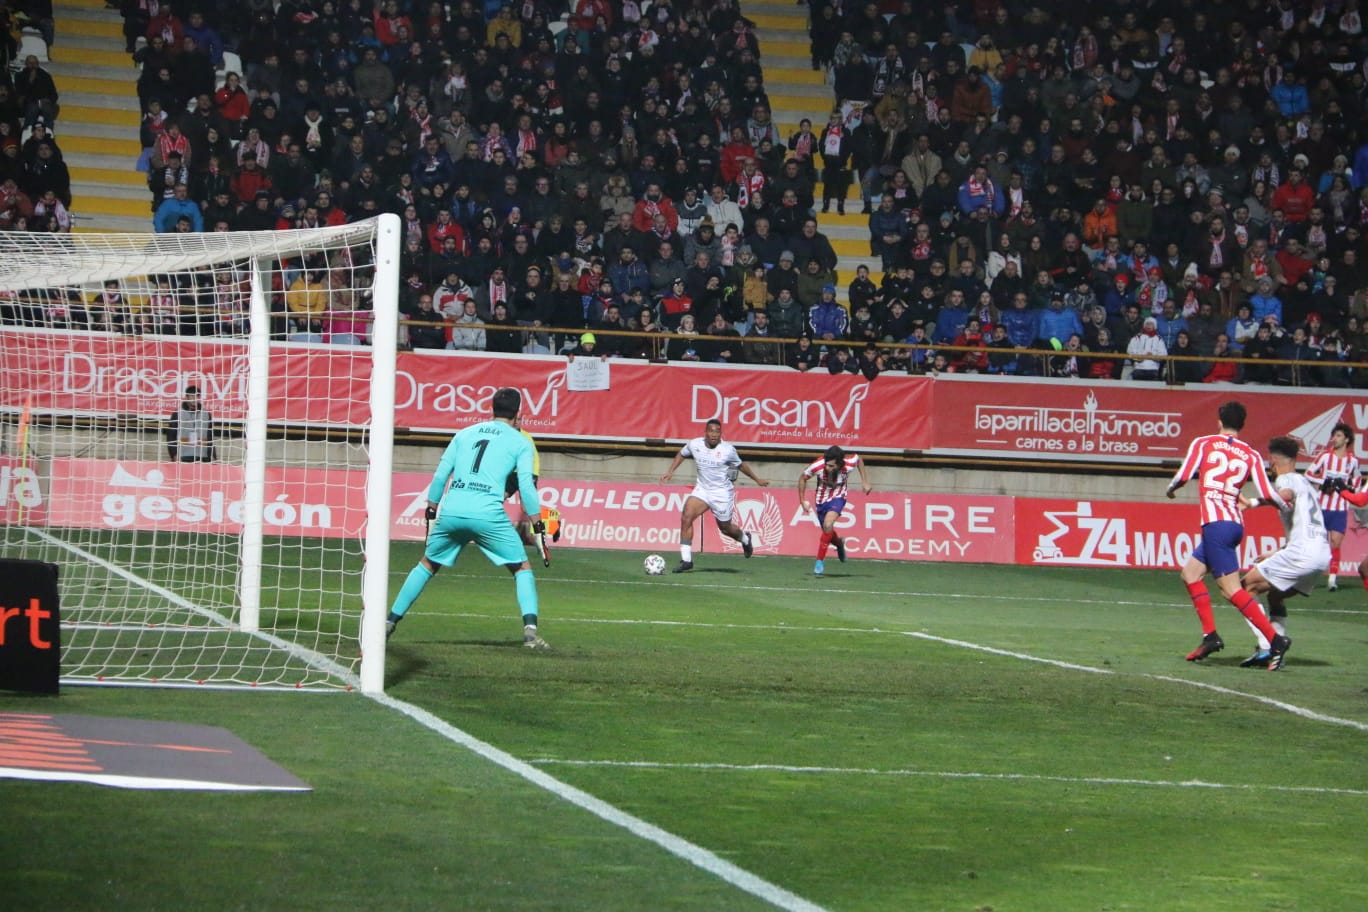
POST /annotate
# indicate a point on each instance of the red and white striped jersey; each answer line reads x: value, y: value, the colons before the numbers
x: 826, y: 489
x: 1328, y: 465
x: 1223, y: 465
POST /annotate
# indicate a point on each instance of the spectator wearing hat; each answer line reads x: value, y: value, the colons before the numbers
x: 783, y: 275
x: 628, y: 272
x: 827, y: 320
x: 1144, y: 350
x: 704, y: 239
x: 812, y: 281
x: 675, y: 302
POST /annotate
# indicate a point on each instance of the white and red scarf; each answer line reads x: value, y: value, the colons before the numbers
x: 832, y: 144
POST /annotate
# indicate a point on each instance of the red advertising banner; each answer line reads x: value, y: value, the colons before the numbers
x: 946, y: 527
x: 670, y: 401
x: 330, y: 503
x: 1072, y: 419
x: 1094, y: 533
x: 92, y: 373
x: 196, y: 497
x: 21, y: 492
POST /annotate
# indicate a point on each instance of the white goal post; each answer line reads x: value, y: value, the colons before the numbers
x: 198, y: 430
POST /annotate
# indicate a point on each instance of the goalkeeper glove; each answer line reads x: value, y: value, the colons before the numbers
x: 430, y: 513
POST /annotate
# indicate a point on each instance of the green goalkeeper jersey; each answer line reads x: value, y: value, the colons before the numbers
x: 477, y: 462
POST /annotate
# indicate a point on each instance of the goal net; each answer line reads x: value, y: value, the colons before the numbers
x: 197, y: 429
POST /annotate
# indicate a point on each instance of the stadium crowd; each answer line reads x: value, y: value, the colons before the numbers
x: 35, y: 184
x: 1169, y: 178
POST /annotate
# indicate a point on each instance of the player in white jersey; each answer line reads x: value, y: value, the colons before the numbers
x: 832, y: 472
x: 1338, y: 462
x: 1294, y: 567
x: 1224, y: 463
x: 717, y: 464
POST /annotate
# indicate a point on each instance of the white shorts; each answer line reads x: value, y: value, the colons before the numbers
x: 1289, y: 571
x: 722, y: 502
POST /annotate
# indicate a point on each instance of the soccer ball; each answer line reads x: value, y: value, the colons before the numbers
x: 654, y: 564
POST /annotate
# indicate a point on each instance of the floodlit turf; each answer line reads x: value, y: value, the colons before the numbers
x: 891, y: 736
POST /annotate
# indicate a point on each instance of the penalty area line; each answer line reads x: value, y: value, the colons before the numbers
x: 952, y: 774
x: 679, y: 847
x: 832, y: 590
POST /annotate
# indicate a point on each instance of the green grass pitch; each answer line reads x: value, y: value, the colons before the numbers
x: 892, y: 736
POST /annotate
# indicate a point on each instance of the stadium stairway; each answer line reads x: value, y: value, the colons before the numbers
x: 97, y: 128
x: 796, y: 91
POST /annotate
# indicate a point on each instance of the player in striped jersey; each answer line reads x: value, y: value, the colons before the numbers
x: 1337, y: 462
x: 1294, y: 568
x: 1224, y: 463
x: 1355, y: 493
x: 832, y: 472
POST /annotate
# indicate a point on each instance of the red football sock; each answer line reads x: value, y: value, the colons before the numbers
x: 823, y: 543
x: 1249, y: 606
x: 1365, y: 581
x: 1334, y: 560
x: 1201, y: 600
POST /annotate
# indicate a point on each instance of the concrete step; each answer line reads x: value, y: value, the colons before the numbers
x: 103, y: 56
x: 800, y: 97
x: 767, y: 23
x: 778, y: 78
x: 124, y: 119
x: 792, y: 108
x: 786, y: 62
x: 774, y: 8
x: 116, y: 206
x: 852, y: 193
x: 101, y: 84
x: 116, y: 102
x: 111, y: 190
x: 113, y: 162
x: 95, y: 130
x: 85, y: 5
x: 84, y: 12
x: 90, y: 28
x: 72, y: 42
x: 121, y: 177
x: 118, y: 224
x: 129, y: 147
x: 796, y: 46
x: 844, y: 227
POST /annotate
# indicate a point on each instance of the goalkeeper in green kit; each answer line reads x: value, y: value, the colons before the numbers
x: 477, y: 463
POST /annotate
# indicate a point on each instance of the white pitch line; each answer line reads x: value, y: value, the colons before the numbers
x: 951, y: 774
x: 1300, y: 711
x: 695, y: 855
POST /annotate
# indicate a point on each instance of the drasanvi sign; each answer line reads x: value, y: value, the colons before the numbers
x: 94, y: 373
